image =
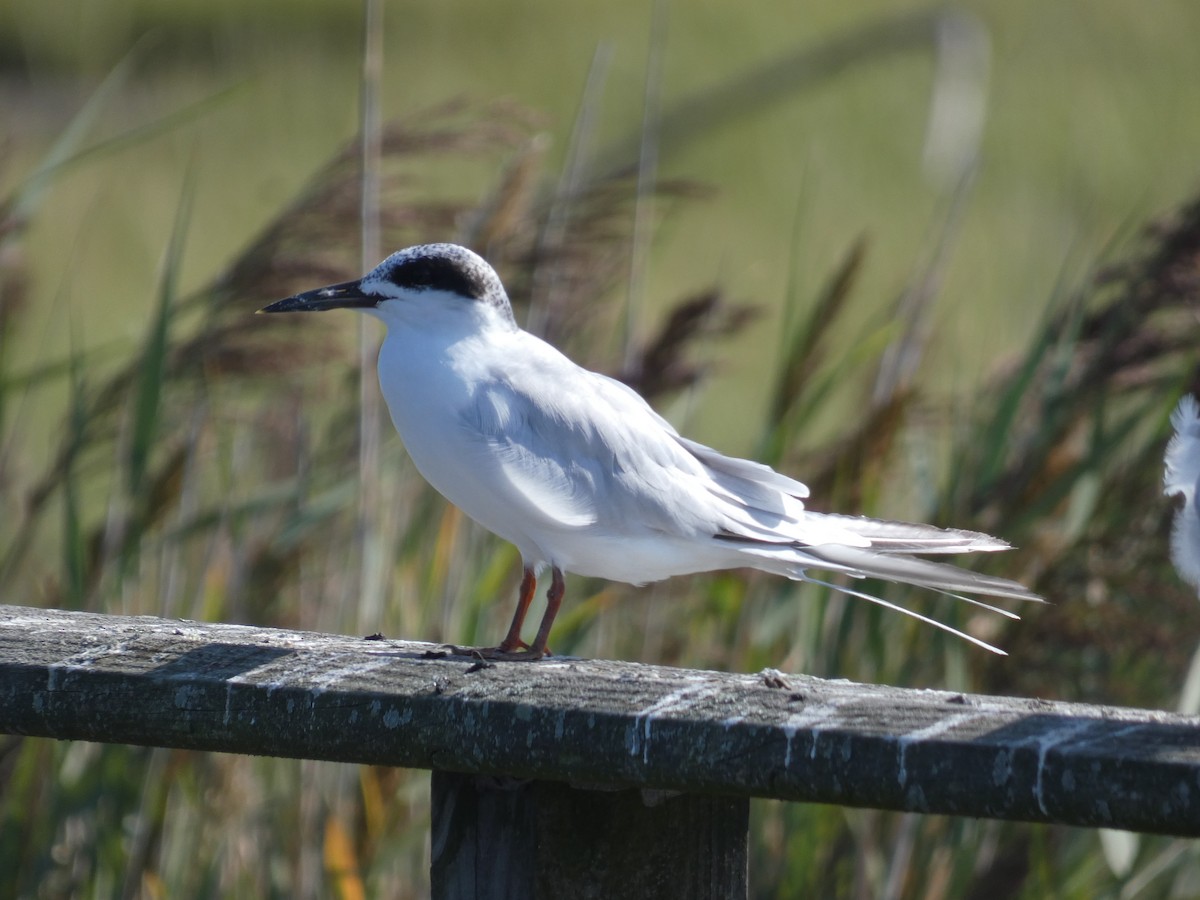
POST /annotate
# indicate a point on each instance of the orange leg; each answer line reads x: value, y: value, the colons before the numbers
x: 512, y: 641
x: 512, y: 647
x: 554, y: 598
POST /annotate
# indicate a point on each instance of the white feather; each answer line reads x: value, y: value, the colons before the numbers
x: 1180, y: 477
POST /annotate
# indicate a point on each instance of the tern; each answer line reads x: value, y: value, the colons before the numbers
x: 1180, y: 477
x: 577, y: 470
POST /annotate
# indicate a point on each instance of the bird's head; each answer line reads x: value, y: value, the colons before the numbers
x: 422, y: 282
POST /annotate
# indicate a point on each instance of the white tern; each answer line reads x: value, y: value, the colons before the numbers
x: 578, y: 471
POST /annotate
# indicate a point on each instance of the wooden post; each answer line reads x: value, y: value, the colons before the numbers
x: 495, y: 838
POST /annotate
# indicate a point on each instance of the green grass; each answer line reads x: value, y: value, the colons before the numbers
x: 164, y: 451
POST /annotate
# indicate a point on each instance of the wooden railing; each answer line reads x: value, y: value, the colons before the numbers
x: 572, y: 771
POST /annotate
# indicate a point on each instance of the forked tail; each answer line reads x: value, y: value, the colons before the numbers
x: 888, y: 557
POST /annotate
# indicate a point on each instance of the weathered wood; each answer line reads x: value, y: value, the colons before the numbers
x: 251, y: 690
x: 500, y: 838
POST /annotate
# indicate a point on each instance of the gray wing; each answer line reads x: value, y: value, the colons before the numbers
x: 600, y: 457
x: 595, y: 458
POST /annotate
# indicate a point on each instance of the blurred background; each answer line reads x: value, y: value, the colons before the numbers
x: 939, y: 263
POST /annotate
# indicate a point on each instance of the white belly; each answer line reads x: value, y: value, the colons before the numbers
x: 427, y: 396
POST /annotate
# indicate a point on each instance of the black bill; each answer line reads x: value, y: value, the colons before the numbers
x: 347, y: 295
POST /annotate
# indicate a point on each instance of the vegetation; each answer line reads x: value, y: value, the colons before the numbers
x: 216, y: 468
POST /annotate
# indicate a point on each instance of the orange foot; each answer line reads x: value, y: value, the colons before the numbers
x: 522, y: 652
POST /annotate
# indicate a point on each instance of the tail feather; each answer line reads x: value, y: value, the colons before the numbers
x: 886, y: 559
x: 912, y: 614
x: 910, y: 537
x: 767, y: 521
x: 911, y: 570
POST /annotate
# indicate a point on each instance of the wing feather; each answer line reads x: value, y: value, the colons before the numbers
x: 594, y: 459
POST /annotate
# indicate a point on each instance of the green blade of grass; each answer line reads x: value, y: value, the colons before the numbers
x: 26, y: 200
x: 147, y: 405
x: 74, y: 545
x: 65, y: 152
